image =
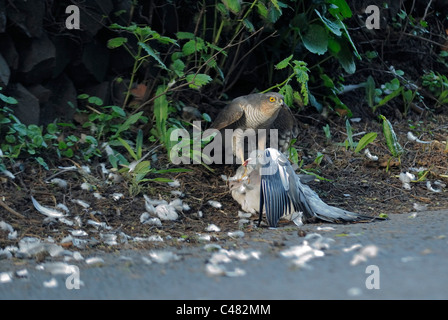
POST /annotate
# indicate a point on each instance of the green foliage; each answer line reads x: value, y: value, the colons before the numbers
x: 299, y: 72
x: 143, y: 53
x: 365, y: 140
x: 109, y: 122
x: 378, y: 97
x: 391, y: 140
x: 7, y: 100
x: 349, y: 143
x: 138, y: 171
x: 437, y: 84
x: 327, y: 132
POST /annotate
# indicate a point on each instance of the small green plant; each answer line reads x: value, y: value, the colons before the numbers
x: 108, y: 122
x: 349, y: 142
x: 299, y: 72
x: 391, y: 141
x: 327, y: 132
x: 293, y: 155
x: 137, y: 171
x: 6, y: 99
x: 18, y: 138
x: 143, y: 35
x: 437, y: 84
x: 365, y: 140
x: 378, y: 97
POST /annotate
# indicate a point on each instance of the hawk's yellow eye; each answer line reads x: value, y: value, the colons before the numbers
x: 271, y: 99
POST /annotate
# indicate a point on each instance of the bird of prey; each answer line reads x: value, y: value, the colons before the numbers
x: 272, y: 186
x: 256, y: 111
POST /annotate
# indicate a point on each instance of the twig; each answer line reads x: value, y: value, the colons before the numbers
x: 426, y: 9
x: 4, y: 205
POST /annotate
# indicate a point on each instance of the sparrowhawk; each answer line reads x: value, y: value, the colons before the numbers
x: 257, y: 111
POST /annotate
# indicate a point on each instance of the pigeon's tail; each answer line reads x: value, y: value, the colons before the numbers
x: 316, y: 208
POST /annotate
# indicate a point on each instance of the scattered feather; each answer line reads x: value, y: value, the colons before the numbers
x: 163, y: 256
x: 212, y: 228
x: 81, y: 203
x: 214, y: 204
x: 61, y: 183
x: 46, y: 211
x: 369, y: 251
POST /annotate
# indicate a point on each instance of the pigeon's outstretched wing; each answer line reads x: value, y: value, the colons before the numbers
x: 282, y: 193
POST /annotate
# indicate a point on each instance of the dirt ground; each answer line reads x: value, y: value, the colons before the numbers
x: 352, y: 182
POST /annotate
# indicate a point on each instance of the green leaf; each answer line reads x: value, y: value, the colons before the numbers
x: 116, y: 42
x: 119, y: 111
x: 172, y: 170
x: 178, y: 67
x: 287, y: 92
x: 341, y: 7
x: 393, y: 85
x: 139, y: 143
x: 233, y: 5
x: 198, y: 80
x: 262, y: 10
x: 316, y: 39
x: 185, y: 35
x: 274, y: 14
x: 128, y: 148
x: 95, y: 100
x: 42, y: 162
x: 391, y: 138
x: 52, y: 128
x: 161, y: 112
x: 365, y: 140
x: 193, y: 46
x: 284, y: 63
x: 370, y: 91
x: 9, y: 100
x: 129, y: 121
x: 166, y: 40
x: 346, y: 58
x: 152, y: 53
x: 276, y: 4
x: 334, y: 26
x: 249, y: 26
x: 334, y: 46
x: 145, y: 33
x: 132, y: 28
x: 83, y: 96
x: 387, y: 98
x: 223, y: 9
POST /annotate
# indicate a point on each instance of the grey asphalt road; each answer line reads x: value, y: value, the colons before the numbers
x: 405, y: 257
